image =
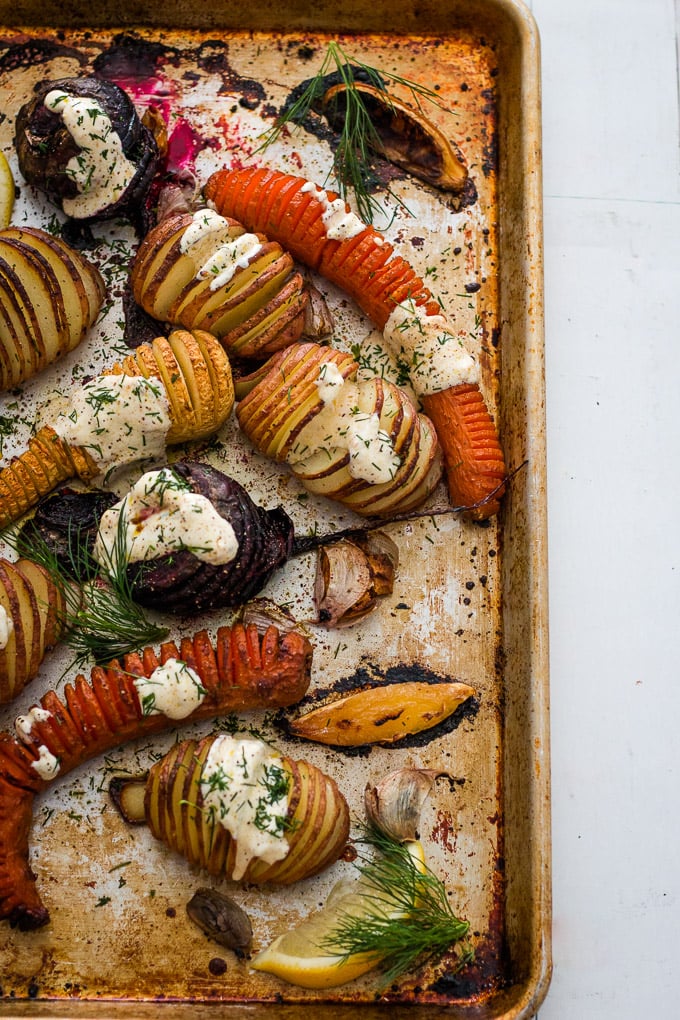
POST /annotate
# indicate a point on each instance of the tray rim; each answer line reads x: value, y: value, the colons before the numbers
x: 518, y: 1002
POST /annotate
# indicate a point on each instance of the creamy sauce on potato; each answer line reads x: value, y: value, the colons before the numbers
x: 118, y: 419
x: 215, y: 253
x: 245, y: 788
x: 343, y: 427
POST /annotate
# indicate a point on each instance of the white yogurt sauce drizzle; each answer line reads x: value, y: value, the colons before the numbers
x: 118, y: 419
x: 160, y: 515
x: 23, y: 724
x: 339, y: 223
x: 174, y: 690
x: 245, y: 788
x: 434, y: 357
x: 341, y: 426
x: 47, y: 765
x: 215, y: 253
x: 101, y: 170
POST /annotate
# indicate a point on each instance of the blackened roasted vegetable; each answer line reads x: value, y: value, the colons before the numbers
x: 81, y: 141
x: 180, y: 581
x: 67, y: 523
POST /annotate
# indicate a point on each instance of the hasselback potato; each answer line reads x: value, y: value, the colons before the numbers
x: 362, y: 443
x: 304, y: 817
x: 204, y: 271
x: 50, y: 296
x: 31, y: 622
x: 188, y: 396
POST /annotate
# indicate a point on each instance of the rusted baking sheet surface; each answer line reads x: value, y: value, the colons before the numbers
x: 469, y: 602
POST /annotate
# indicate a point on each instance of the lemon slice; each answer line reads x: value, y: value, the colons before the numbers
x: 298, y: 957
x: 6, y: 192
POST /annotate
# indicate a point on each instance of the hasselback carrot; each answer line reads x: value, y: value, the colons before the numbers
x: 240, y: 670
x: 295, y: 213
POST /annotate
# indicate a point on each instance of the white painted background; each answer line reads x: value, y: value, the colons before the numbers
x: 612, y: 242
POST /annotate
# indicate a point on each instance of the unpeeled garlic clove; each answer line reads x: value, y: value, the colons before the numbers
x: 351, y: 576
x: 395, y: 804
x: 319, y: 322
x: 221, y: 919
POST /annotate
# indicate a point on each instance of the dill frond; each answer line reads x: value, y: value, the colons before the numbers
x: 408, y: 919
x: 358, y: 135
x: 101, y: 620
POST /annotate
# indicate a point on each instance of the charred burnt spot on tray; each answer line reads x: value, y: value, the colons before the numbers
x: 130, y: 56
x: 371, y: 675
x: 36, y: 51
x: 212, y: 57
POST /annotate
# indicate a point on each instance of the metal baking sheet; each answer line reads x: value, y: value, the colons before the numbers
x: 470, y: 600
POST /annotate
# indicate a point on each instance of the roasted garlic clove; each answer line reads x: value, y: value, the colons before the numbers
x: 403, y: 135
x: 394, y: 804
x: 352, y: 575
x: 221, y: 919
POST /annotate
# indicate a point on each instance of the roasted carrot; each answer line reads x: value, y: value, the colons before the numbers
x: 288, y: 210
x: 239, y: 671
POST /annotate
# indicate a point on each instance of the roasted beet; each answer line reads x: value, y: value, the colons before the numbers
x: 180, y: 582
x: 67, y: 523
x: 109, y: 172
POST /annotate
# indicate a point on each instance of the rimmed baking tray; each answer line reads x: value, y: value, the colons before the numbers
x: 471, y: 600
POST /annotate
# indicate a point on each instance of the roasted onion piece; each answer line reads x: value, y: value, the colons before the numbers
x: 204, y: 271
x: 81, y: 142
x: 179, y: 581
x: 299, y: 806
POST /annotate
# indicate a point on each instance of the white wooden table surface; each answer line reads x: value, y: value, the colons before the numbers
x: 612, y: 242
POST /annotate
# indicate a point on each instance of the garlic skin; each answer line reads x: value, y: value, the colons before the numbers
x: 352, y: 575
x: 221, y: 919
x: 395, y: 804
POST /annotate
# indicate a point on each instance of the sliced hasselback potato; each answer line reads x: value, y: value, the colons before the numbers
x: 204, y: 271
x: 50, y: 296
x: 195, y: 398
x: 31, y: 622
x: 195, y: 801
x: 362, y: 443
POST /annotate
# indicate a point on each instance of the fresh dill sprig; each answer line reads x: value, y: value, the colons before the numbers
x: 101, y: 620
x: 407, y: 920
x: 358, y: 136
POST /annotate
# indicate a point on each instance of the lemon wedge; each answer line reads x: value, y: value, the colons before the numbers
x: 6, y: 192
x: 297, y: 956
